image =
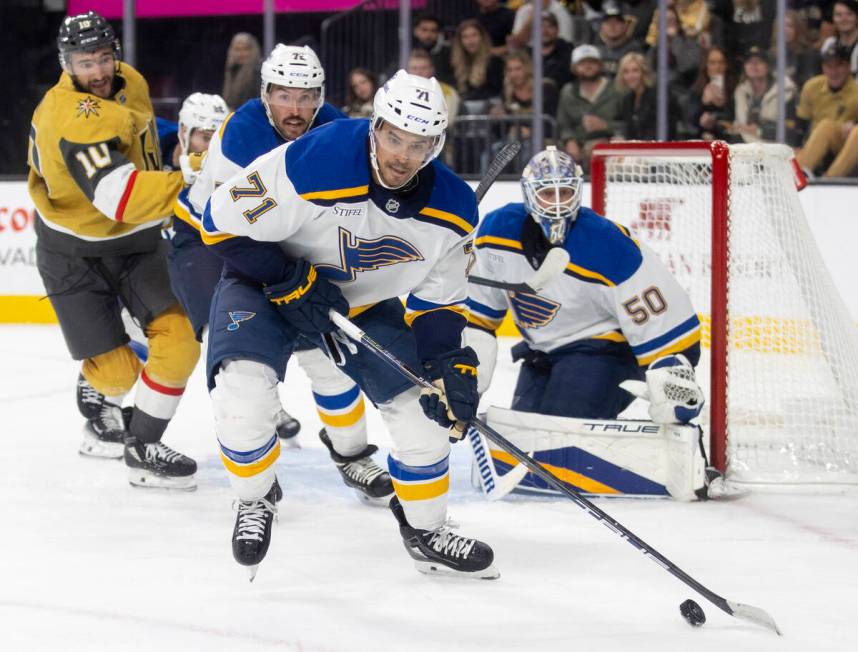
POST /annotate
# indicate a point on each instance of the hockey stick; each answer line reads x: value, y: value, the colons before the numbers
x: 743, y: 611
x: 554, y: 264
x: 499, y: 162
x: 494, y: 486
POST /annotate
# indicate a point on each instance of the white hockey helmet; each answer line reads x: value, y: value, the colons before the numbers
x: 200, y: 111
x: 292, y: 67
x: 551, y: 183
x: 413, y: 104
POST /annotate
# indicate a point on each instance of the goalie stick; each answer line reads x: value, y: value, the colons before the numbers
x: 494, y: 486
x: 499, y: 162
x: 737, y: 609
x: 554, y: 264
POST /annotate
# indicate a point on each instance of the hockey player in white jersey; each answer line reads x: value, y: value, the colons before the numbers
x: 350, y: 217
x: 291, y: 102
x: 614, y: 315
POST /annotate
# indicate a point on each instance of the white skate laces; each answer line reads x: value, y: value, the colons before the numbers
x: 251, y: 518
x: 445, y: 541
x: 161, y: 452
x: 363, y: 470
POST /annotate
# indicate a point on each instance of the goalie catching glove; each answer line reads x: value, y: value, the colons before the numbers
x: 305, y: 299
x: 671, y: 389
x: 453, y: 400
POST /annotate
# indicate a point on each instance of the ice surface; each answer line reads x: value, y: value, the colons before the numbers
x: 89, y: 563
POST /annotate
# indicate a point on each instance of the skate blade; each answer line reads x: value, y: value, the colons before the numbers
x: 383, y: 501
x: 434, y: 568
x: 92, y: 446
x: 252, y: 571
x: 148, y: 480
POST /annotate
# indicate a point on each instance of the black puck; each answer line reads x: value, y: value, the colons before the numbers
x: 693, y: 613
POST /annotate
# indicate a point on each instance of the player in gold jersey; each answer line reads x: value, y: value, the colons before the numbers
x: 101, y: 197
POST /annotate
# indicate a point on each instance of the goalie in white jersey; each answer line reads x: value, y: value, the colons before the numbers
x: 614, y: 314
x: 349, y: 217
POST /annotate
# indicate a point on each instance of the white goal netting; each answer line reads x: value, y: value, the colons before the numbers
x: 792, y: 349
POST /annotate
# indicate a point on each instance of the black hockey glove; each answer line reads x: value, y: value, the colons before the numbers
x: 454, y: 399
x: 305, y: 299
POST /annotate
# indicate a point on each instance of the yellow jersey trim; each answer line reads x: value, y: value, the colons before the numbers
x: 464, y: 225
x: 675, y: 347
x: 223, y: 126
x: 583, y: 271
x: 336, y: 194
x: 504, y: 242
x: 414, y: 314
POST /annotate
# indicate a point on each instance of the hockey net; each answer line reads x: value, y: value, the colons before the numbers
x: 780, y: 351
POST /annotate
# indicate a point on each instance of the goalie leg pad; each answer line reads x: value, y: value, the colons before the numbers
x: 245, y: 402
x: 418, y: 463
x: 339, y: 402
x: 686, y: 466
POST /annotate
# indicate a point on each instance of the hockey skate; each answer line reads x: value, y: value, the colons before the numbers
x: 442, y: 552
x: 370, y: 482
x: 252, y: 534
x: 105, y: 429
x: 287, y: 428
x: 157, y: 465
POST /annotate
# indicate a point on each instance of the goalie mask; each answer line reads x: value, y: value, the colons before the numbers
x: 200, y: 111
x: 293, y: 67
x: 87, y: 32
x: 416, y: 106
x: 551, y: 184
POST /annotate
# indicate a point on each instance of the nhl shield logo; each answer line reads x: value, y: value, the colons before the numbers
x: 391, y: 206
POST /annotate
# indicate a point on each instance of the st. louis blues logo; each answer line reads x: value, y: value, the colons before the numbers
x: 532, y: 310
x: 360, y: 255
x: 238, y: 316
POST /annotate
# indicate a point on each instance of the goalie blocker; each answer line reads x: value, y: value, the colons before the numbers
x: 595, y: 456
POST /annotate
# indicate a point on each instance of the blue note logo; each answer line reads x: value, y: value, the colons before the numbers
x: 360, y: 255
x: 238, y: 316
x: 532, y: 310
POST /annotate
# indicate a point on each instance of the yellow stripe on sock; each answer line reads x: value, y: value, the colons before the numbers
x: 425, y: 491
x: 248, y: 470
x: 350, y: 418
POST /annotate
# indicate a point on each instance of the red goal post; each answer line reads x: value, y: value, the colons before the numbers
x: 782, y: 351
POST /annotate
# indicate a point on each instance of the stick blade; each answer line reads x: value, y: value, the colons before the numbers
x: 754, y: 615
x: 554, y: 264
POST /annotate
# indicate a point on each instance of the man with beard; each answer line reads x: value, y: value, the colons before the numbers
x: 101, y: 197
x: 587, y: 109
x: 350, y: 218
x: 556, y: 52
x: 292, y: 102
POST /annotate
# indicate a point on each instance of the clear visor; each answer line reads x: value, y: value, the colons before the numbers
x: 400, y: 145
x: 299, y: 98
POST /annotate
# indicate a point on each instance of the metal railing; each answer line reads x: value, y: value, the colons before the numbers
x: 473, y: 141
x: 364, y: 36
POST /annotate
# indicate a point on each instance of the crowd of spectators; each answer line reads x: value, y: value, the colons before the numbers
x: 599, y: 61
